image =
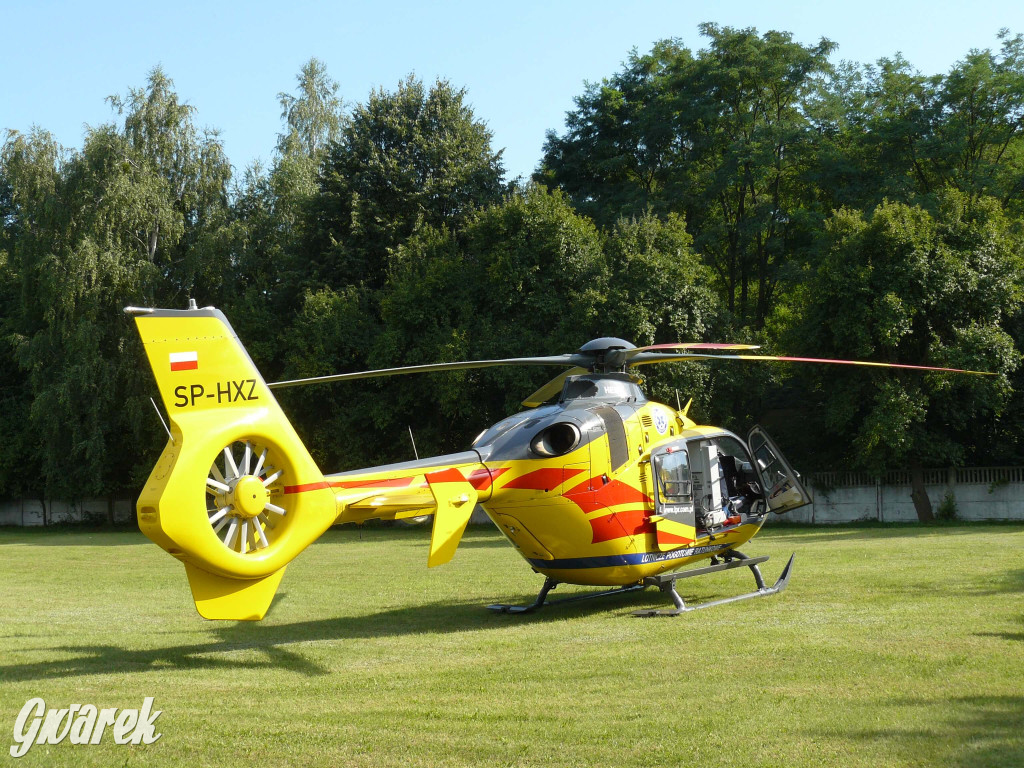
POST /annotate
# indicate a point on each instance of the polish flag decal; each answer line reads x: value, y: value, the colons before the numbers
x: 184, y: 361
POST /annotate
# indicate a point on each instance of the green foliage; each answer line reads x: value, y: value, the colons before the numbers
x: 719, y: 135
x: 522, y: 278
x: 906, y: 287
x: 947, y: 508
x: 660, y: 289
x: 121, y: 222
x: 405, y: 159
x: 891, y: 132
x: 313, y: 117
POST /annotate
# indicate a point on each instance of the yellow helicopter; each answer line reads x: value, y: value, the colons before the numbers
x: 600, y: 487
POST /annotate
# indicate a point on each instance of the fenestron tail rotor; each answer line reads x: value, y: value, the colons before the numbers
x: 244, y: 497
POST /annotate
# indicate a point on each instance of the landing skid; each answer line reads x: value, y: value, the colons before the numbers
x: 666, y: 582
x: 550, y: 584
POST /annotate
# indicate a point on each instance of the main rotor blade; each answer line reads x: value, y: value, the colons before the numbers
x: 552, y: 388
x: 654, y: 357
x: 573, y: 360
x: 691, y: 345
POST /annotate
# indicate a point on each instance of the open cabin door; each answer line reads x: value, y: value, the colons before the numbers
x: 782, y: 487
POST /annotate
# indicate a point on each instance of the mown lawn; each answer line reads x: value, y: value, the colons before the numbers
x: 893, y: 646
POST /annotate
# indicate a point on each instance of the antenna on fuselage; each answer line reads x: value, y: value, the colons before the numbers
x: 413, y: 441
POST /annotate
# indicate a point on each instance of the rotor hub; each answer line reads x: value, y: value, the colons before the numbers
x: 249, y: 497
x: 609, y: 353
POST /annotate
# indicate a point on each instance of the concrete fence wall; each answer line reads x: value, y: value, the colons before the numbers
x: 989, y: 493
x: 29, y: 512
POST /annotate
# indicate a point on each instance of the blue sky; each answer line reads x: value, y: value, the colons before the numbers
x: 521, y: 63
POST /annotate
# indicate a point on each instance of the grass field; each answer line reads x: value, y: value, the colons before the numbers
x: 893, y: 646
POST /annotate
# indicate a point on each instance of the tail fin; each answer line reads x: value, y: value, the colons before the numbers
x: 235, y: 495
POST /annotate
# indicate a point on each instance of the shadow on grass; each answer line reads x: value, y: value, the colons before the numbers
x: 1011, y: 636
x: 255, y: 645
x: 250, y: 645
x: 1008, y: 582
x: 983, y: 732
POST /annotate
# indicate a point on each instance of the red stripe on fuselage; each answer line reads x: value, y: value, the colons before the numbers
x: 394, y: 482
x: 672, y: 538
x: 542, y: 479
x: 307, y: 487
x: 482, y: 478
x: 594, y: 495
x: 450, y: 475
x: 618, y: 524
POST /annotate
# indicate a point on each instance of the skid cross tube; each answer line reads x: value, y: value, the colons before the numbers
x: 666, y: 582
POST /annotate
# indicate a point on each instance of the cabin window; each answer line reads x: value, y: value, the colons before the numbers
x: 674, y: 477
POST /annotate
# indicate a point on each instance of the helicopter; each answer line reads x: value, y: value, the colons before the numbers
x: 593, y: 484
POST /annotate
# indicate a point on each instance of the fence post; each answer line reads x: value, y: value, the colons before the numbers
x: 878, y: 500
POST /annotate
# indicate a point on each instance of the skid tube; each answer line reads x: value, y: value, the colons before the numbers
x: 550, y: 584
x: 666, y: 582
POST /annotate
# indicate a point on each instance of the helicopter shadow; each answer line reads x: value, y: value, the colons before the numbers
x: 275, y: 646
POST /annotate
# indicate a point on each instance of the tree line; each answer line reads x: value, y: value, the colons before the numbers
x: 750, y: 190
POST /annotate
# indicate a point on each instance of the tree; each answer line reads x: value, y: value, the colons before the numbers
x: 979, y: 135
x: 173, y: 189
x: 660, y: 291
x: 891, y: 132
x: 313, y: 117
x: 406, y: 159
x: 720, y: 136
x: 19, y: 448
x: 525, y: 277
x: 905, y: 287
x: 122, y: 222
x: 270, y: 217
x: 621, y: 151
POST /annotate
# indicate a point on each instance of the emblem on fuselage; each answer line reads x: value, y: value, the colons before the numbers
x: 660, y: 421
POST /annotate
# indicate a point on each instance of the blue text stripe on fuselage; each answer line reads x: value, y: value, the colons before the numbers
x: 637, y: 558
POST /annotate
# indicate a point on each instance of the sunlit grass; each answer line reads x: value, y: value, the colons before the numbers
x: 893, y: 646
